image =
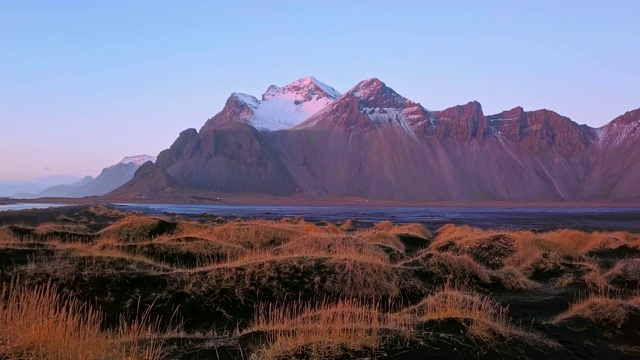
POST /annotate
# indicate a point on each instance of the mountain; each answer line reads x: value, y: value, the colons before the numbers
x: 615, y: 174
x: 109, y: 179
x: 26, y: 188
x: 279, y: 107
x: 65, y: 190
x: 371, y: 142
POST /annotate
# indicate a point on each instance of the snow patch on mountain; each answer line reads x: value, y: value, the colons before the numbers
x: 137, y: 160
x: 616, y: 135
x: 285, y: 107
x: 389, y: 116
x: 506, y: 119
x: 251, y: 101
x: 331, y: 92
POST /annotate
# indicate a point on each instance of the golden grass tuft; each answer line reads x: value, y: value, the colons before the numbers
x: 324, y: 331
x: 564, y: 242
x: 447, y: 266
x: 53, y: 228
x: 556, y: 255
x: 324, y: 245
x: 383, y: 238
x: 136, y: 228
x: 384, y: 226
x: 253, y: 234
x: 450, y: 234
x: 600, y: 309
x: 38, y: 323
x: 486, y: 320
x: 512, y: 279
x: 483, y: 316
x: 345, y: 327
x: 348, y: 225
x: 7, y: 236
x: 624, y: 272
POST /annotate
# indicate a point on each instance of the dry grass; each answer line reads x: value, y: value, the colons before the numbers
x: 54, y: 228
x: 135, y: 228
x: 7, y: 236
x: 342, y: 247
x: 233, y: 266
x: 252, y: 241
x: 38, y: 323
x: 545, y: 255
x: 415, y: 230
x: 331, y: 330
x: 325, y: 331
x: 348, y: 225
x: 446, y: 266
x: 564, y: 242
x: 601, y: 309
x: 252, y: 234
x: 624, y: 273
x: 383, y: 238
x: 512, y: 279
x: 483, y: 316
x: 485, y: 320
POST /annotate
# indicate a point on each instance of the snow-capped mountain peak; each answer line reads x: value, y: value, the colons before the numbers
x: 377, y: 105
x: 305, y: 89
x: 374, y: 93
x: 272, y: 92
x: 279, y: 107
x: 251, y: 101
x: 367, y: 88
x: 137, y: 160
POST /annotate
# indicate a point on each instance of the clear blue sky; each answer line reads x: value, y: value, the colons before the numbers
x: 84, y: 83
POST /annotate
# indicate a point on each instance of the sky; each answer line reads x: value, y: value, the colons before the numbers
x: 85, y: 83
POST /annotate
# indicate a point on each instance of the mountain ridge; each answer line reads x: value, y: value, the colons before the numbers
x: 372, y: 142
x: 109, y: 179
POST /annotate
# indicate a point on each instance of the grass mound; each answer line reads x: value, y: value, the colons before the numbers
x: 138, y: 228
x: 625, y: 274
x: 601, y: 310
x: 324, y: 331
x: 358, y: 329
x: 324, y: 245
x: 440, y: 267
x: 189, y: 253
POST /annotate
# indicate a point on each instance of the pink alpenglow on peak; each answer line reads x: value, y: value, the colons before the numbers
x: 138, y: 160
x: 279, y: 108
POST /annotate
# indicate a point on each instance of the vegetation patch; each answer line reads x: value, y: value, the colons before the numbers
x: 116, y: 284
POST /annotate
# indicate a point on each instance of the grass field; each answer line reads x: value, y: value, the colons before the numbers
x: 96, y: 283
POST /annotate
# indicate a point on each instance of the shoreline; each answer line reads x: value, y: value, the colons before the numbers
x: 300, y: 201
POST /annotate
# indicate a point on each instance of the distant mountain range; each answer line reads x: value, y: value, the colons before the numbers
x: 26, y: 188
x: 109, y: 179
x: 370, y: 142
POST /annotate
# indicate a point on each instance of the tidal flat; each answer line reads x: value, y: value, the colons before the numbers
x: 105, y: 282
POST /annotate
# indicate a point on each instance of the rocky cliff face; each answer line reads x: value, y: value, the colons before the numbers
x: 374, y: 143
x: 615, y: 173
x: 231, y: 158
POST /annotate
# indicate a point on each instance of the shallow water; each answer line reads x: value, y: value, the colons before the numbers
x: 27, y: 206
x: 536, y: 218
